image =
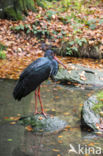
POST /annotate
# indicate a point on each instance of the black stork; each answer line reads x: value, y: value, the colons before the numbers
x: 32, y: 76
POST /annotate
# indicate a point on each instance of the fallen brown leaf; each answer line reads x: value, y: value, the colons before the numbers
x: 28, y: 128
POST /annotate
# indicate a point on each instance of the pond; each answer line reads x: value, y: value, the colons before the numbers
x: 62, y: 101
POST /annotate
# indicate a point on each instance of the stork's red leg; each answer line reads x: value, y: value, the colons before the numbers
x: 36, y: 112
x: 42, y: 109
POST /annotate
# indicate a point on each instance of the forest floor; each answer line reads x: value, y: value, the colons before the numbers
x: 77, y: 24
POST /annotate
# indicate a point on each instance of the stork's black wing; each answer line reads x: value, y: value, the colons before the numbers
x: 54, y: 69
x: 32, y: 76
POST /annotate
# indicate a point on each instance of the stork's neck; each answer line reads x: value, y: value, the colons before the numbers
x: 50, y: 57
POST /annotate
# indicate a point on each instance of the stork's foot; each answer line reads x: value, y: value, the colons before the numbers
x: 36, y: 113
x: 45, y: 115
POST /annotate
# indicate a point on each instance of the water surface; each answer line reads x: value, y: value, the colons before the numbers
x: 58, y: 100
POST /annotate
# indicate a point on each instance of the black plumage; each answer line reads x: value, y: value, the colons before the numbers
x: 37, y: 72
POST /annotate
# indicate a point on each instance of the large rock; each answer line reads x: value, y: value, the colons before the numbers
x: 92, y: 113
x: 42, y: 125
x: 89, y: 118
x: 80, y: 74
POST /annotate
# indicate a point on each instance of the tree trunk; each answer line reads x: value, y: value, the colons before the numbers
x: 15, y: 9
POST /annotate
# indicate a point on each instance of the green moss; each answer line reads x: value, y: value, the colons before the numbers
x: 30, y: 5
x: 99, y: 106
x: 2, y: 55
x: 2, y: 47
x: 24, y: 5
x: 40, y: 124
x: 2, y: 51
x: 17, y: 9
x: 100, y: 95
x: 45, y: 4
x: 12, y: 14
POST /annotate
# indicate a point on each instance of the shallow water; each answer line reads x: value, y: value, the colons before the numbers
x: 58, y: 100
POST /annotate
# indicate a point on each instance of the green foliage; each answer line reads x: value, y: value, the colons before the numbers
x: 40, y: 32
x: 69, y: 51
x: 80, y: 41
x: 2, y: 52
x: 18, y: 28
x: 74, y: 4
x: 99, y: 106
x: 52, y: 0
x: 50, y: 13
x: 91, y: 24
x: 77, y: 7
x: 73, y: 45
x: 76, y: 22
x: 32, y: 29
x: 2, y: 55
x: 31, y: 121
x: 65, y: 4
x: 100, y: 95
x: 45, y: 3
x: 101, y: 21
x: 3, y: 47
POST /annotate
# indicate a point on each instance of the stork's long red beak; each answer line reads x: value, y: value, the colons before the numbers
x: 60, y: 62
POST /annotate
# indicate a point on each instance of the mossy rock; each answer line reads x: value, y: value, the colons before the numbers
x: 15, y: 9
x: 92, y: 113
x: 98, y: 107
x: 12, y: 14
x: 42, y: 125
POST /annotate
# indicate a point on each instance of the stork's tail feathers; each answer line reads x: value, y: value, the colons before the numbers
x: 18, y: 91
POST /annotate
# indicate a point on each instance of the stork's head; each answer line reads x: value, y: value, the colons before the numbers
x: 51, y: 55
